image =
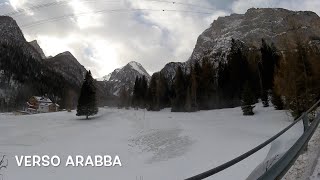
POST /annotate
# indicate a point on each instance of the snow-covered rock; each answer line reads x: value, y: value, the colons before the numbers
x: 124, y: 77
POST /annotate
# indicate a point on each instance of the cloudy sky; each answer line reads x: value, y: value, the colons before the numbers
x: 107, y: 34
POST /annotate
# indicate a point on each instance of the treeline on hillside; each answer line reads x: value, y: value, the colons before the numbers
x: 23, y: 76
x: 288, y: 79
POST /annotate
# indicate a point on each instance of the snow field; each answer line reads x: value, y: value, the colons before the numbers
x: 151, y: 145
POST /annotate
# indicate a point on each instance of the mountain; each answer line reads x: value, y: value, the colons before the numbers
x: 105, y: 78
x: 276, y: 25
x: 35, y: 44
x: 11, y: 34
x: 68, y: 66
x: 124, y: 77
x: 279, y: 26
x: 24, y: 73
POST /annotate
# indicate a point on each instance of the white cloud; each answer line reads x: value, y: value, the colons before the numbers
x: 87, y: 20
x: 17, y: 3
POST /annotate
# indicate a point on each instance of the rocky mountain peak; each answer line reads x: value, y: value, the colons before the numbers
x: 12, y: 35
x: 9, y: 29
x: 35, y: 44
x: 124, y: 77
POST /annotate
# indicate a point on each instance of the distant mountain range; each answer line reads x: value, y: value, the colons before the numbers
x: 275, y: 25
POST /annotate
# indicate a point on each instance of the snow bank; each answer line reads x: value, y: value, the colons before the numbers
x: 278, y: 148
x: 307, y: 166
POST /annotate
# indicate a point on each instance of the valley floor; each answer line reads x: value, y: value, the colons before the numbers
x: 151, y: 145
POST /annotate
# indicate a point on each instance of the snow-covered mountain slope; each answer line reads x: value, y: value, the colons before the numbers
x: 35, y: 44
x: 11, y: 34
x: 104, y: 78
x: 169, y: 70
x: 124, y: 77
x: 68, y: 66
x: 276, y: 25
x: 280, y: 26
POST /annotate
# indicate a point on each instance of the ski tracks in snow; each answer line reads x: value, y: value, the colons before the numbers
x: 156, y: 138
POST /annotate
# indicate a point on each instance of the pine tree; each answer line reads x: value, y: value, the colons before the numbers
x: 277, y: 101
x: 238, y: 73
x: 144, y: 90
x: 223, y: 85
x: 163, y: 91
x: 135, y: 97
x: 124, y: 98
x: 193, y: 90
x: 265, y: 98
x: 269, y: 60
x: 87, y: 105
x: 188, y: 101
x: 197, y: 75
x: 139, y: 92
x: 295, y: 81
x: 247, y: 99
x: 153, y: 93
x: 207, y: 89
x: 180, y: 91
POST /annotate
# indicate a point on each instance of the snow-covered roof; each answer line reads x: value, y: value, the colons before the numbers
x: 42, y: 99
x: 45, y: 104
x: 49, y: 104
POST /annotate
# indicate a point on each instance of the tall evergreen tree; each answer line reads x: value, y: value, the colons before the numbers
x: 238, y: 73
x: 188, y: 101
x: 163, y: 91
x: 191, y: 94
x: 180, y: 91
x: 269, y: 60
x: 124, y: 98
x: 197, y: 75
x: 87, y: 105
x: 247, y: 99
x: 207, y: 89
x: 136, y: 93
x: 277, y: 101
x: 153, y: 94
x: 193, y: 90
x: 144, y: 90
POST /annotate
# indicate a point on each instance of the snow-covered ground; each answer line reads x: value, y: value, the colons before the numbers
x: 313, y: 156
x: 151, y: 145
